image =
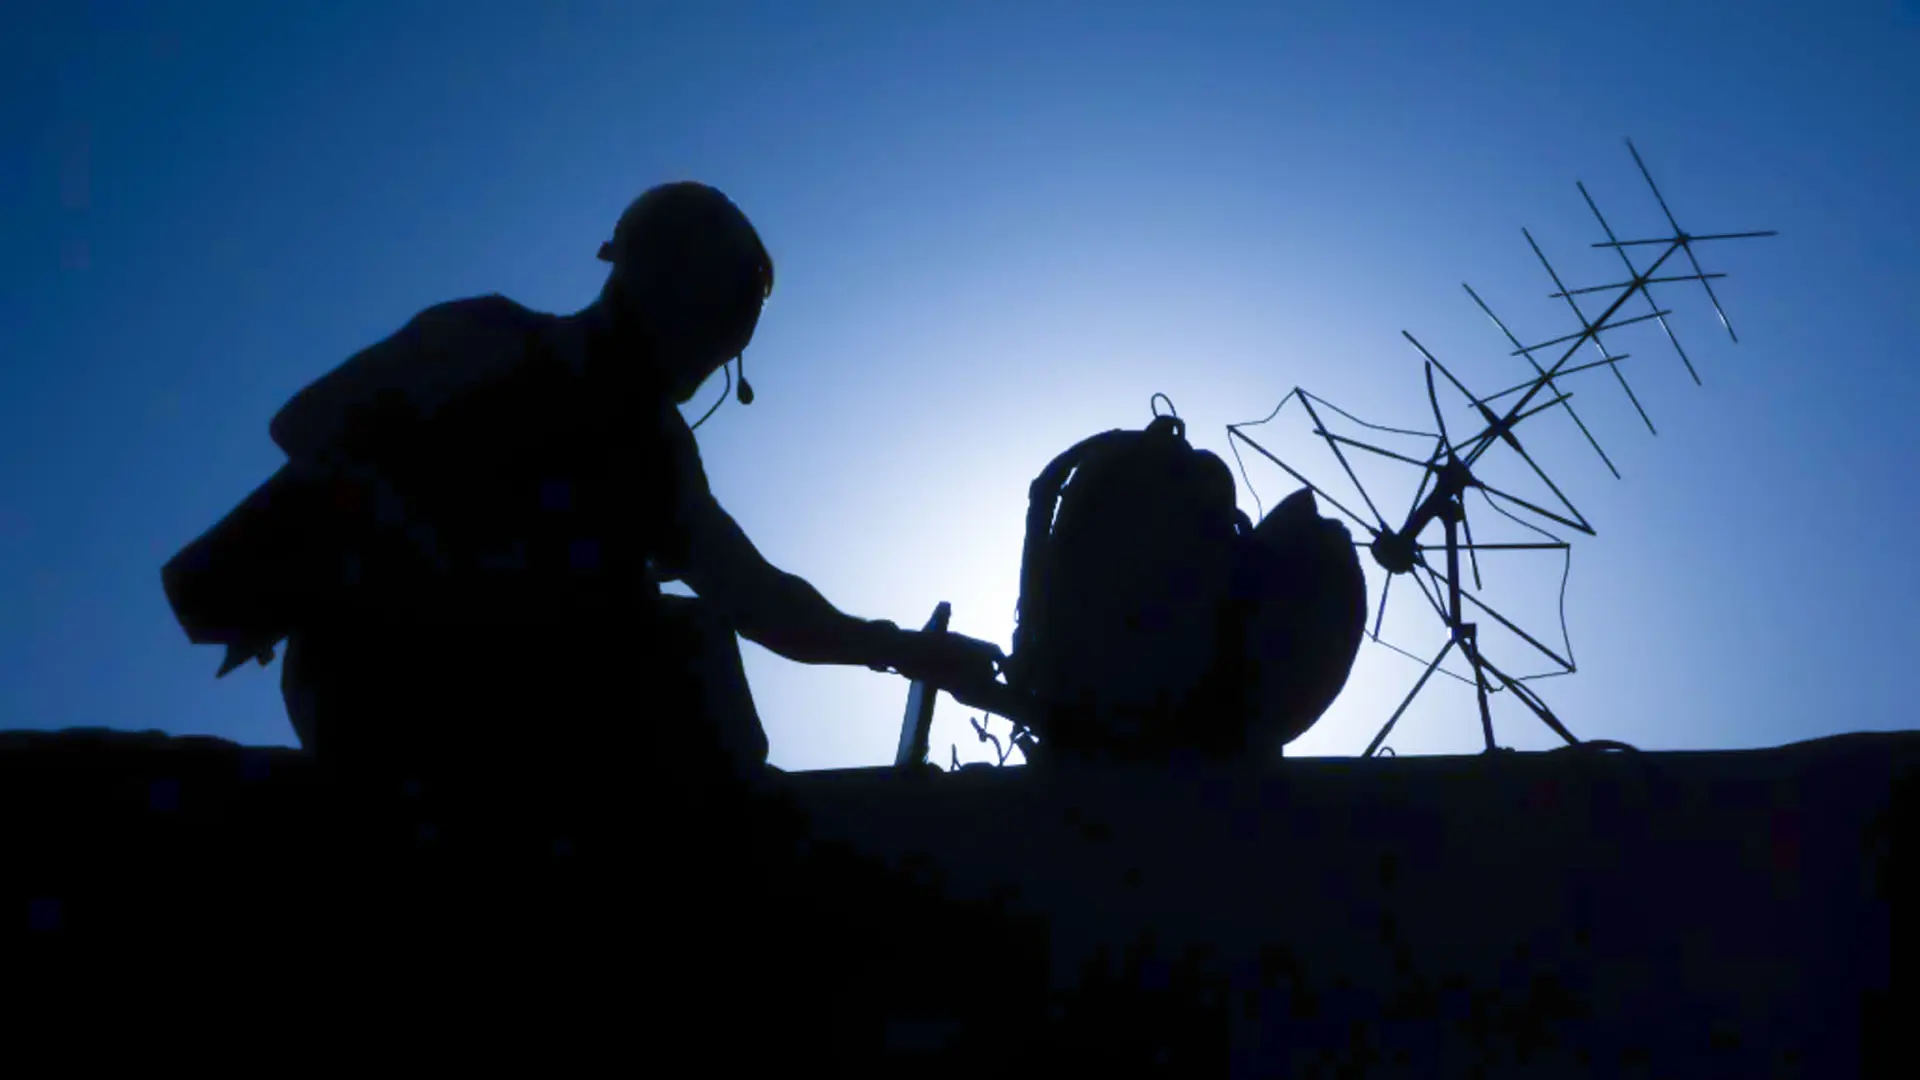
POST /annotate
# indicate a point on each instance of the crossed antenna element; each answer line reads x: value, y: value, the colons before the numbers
x: 1447, y: 473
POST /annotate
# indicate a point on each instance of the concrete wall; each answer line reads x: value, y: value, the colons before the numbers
x: 1570, y: 913
x: 1736, y: 914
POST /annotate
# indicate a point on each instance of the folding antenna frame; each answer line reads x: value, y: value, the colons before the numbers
x: 1447, y: 474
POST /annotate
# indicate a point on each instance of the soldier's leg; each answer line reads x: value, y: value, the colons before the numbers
x: 755, y: 928
x: 707, y: 651
x: 655, y: 782
x: 375, y: 706
x: 298, y: 692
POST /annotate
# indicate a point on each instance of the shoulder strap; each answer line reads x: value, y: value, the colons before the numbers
x: 1043, y: 500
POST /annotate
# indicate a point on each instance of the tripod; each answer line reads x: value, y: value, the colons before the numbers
x: 1449, y: 469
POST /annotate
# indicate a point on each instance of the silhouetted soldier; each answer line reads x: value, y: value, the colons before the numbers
x: 505, y: 650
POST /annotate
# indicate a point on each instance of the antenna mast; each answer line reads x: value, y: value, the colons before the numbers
x: 1447, y: 473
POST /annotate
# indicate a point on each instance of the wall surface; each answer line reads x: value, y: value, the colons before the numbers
x: 1571, y: 913
x: 1575, y: 912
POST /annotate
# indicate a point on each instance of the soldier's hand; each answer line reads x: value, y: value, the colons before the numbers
x: 944, y: 659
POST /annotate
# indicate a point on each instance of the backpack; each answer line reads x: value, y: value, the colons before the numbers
x: 510, y: 455
x: 1125, y: 586
x: 1156, y: 620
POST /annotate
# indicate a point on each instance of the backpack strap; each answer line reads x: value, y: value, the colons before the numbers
x: 1043, y: 500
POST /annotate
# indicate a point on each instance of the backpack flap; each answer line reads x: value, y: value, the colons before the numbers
x: 242, y: 582
x: 1304, y: 596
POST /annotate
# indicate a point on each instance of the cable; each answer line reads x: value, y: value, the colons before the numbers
x: 746, y: 396
x: 1597, y: 746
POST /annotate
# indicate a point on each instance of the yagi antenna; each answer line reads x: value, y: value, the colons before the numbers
x: 1407, y: 547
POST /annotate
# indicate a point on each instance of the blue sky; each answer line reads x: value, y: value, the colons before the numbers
x: 998, y: 228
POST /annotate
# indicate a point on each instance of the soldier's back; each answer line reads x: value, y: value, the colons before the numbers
x: 511, y: 621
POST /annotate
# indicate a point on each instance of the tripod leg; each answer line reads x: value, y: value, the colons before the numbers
x: 1532, y: 701
x: 1395, y: 718
x: 1470, y: 644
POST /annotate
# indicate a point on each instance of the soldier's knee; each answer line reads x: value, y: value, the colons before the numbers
x: 298, y: 697
x: 705, y: 650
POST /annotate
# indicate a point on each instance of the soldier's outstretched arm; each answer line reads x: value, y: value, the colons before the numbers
x: 772, y: 608
x: 786, y: 615
x: 768, y: 606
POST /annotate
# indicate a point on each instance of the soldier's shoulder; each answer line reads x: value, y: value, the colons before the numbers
x: 489, y: 314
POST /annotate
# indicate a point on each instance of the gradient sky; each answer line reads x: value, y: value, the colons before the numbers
x: 998, y: 228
